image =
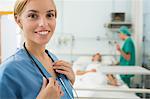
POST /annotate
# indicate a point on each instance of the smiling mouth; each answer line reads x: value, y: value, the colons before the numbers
x: 42, y: 32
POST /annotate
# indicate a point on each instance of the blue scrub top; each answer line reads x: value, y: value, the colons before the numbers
x: 21, y: 79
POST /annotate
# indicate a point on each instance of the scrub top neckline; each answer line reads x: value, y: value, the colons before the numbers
x: 47, y: 74
x: 127, y: 38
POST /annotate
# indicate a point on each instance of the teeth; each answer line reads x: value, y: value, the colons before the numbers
x: 43, y: 33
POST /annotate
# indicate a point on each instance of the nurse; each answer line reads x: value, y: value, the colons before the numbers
x: 127, y: 57
x: 34, y: 72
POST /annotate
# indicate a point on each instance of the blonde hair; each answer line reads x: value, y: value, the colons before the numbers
x: 20, y: 5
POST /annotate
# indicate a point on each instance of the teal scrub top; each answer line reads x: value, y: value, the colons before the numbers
x: 128, y: 47
x: 21, y: 79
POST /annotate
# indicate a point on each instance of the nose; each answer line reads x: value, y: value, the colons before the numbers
x: 43, y: 22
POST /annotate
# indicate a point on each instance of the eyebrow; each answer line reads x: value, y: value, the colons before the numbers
x: 33, y: 11
x: 51, y: 11
x: 38, y: 11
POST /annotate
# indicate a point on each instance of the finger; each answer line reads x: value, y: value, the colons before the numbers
x: 61, y: 62
x: 61, y: 68
x: 64, y: 65
x: 70, y: 75
x: 59, y: 89
x: 62, y: 72
x: 44, y: 83
x: 56, y: 83
x: 61, y: 92
x: 51, y: 82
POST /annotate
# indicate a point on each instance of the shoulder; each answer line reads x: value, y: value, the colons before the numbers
x: 14, y: 64
x: 129, y: 40
x: 18, y: 75
x: 16, y: 58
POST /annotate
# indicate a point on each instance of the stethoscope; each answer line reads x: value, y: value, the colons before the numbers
x: 60, y: 79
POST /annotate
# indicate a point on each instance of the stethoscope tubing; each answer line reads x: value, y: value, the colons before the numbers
x: 62, y: 82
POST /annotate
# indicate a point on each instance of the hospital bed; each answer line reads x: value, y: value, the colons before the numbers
x: 104, y: 91
x: 92, y: 90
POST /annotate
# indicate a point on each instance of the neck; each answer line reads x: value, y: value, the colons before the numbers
x: 126, y: 37
x: 35, y: 49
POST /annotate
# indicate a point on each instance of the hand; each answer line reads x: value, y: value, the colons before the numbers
x: 65, y: 68
x: 93, y: 70
x: 117, y: 63
x: 118, y: 47
x: 111, y: 80
x: 51, y: 90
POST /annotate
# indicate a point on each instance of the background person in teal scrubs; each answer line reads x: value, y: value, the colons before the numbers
x: 127, y: 57
x: 34, y: 72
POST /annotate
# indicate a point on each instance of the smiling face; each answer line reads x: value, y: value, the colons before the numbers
x: 37, y: 20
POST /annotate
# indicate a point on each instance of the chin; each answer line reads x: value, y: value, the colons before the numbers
x: 43, y: 42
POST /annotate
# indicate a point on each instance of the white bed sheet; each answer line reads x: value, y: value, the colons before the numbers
x: 98, y: 81
x: 87, y: 82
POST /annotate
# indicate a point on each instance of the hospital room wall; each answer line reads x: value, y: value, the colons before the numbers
x: 8, y: 30
x: 146, y: 43
x: 137, y: 21
x: 83, y: 22
x: 146, y: 25
x: 11, y: 38
x: 86, y: 18
x: 8, y: 36
x: 141, y: 22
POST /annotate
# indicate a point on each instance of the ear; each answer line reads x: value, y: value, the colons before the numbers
x: 18, y: 20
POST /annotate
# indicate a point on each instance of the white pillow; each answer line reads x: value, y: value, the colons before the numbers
x: 81, y: 63
x: 108, y: 60
x: 84, y: 60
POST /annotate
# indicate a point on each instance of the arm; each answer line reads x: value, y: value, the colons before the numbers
x: 79, y: 72
x: 6, y: 91
x: 127, y: 56
x: 8, y: 85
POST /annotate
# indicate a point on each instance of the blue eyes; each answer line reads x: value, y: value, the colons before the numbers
x: 50, y: 15
x: 35, y: 16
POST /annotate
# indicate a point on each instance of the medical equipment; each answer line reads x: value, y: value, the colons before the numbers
x: 62, y: 82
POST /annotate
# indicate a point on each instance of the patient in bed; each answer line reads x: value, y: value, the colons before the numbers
x: 96, y: 59
x: 92, y: 70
